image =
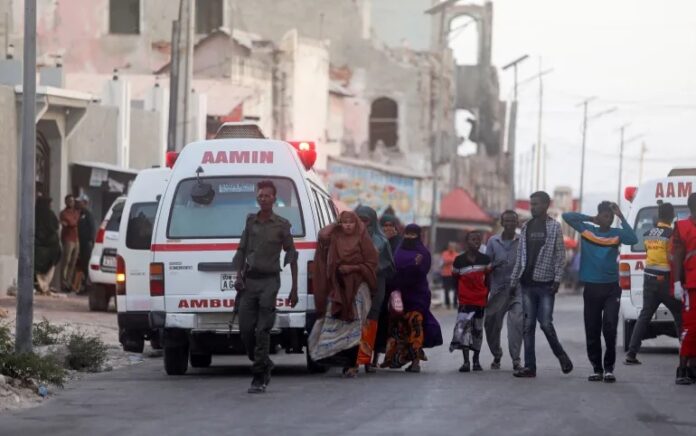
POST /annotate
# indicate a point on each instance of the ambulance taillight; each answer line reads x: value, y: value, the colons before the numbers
x: 156, y: 279
x: 307, y: 152
x: 171, y: 158
x: 100, y: 233
x: 120, y: 276
x: 625, y: 276
x: 630, y: 193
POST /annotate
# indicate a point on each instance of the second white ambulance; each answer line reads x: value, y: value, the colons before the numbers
x: 674, y: 189
x: 196, y: 236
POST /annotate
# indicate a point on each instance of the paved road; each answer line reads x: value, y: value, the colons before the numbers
x: 142, y: 400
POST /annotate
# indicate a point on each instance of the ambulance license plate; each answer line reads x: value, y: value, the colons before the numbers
x: 227, y: 282
x: 109, y: 262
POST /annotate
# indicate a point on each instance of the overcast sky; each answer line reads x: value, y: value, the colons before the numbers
x: 636, y: 55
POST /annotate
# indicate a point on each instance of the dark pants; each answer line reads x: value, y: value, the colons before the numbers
x: 602, y: 302
x: 655, y: 292
x: 449, y: 285
x: 257, y: 310
x: 537, y: 302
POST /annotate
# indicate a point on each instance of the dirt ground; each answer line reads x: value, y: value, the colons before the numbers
x: 72, y: 312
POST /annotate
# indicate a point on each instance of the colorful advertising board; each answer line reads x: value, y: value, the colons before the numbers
x: 356, y: 185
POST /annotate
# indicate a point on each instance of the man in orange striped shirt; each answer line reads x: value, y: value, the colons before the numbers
x: 599, y: 271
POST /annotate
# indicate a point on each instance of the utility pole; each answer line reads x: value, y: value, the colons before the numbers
x: 440, y: 8
x: 583, y: 152
x: 512, y: 127
x: 621, y: 156
x: 539, y: 134
x: 643, y: 149
x: 173, y: 86
x: 185, y: 71
x: 25, y: 269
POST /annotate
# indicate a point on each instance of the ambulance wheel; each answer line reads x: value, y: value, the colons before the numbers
x: 314, y: 367
x: 176, y: 360
x: 98, y: 298
x: 628, y: 327
x: 201, y: 360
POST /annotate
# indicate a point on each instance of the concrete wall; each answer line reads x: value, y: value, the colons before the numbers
x: 145, y: 137
x: 377, y: 72
x: 94, y: 139
x: 9, y: 126
x: 79, y: 31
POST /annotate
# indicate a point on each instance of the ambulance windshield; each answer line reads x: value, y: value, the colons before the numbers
x: 225, y: 216
x: 646, y: 220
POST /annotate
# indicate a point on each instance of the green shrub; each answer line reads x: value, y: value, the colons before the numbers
x: 6, y: 340
x: 45, y: 333
x: 85, y: 353
x: 28, y: 366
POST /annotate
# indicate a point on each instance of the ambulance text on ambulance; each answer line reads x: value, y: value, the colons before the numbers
x: 237, y: 157
x: 669, y: 190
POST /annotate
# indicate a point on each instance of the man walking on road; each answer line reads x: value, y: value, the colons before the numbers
x: 69, y: 218
x: 600, y: 273
x: 656, y: 280
x: 502, y: 250
x: 257, y: 263
x: 684, y: 268
x: 539, y: 269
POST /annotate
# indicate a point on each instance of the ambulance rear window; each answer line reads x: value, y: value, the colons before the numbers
x: 646, y: 220
x: 234, y: 200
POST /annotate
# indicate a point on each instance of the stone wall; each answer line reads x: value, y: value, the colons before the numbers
x: 9, y: 126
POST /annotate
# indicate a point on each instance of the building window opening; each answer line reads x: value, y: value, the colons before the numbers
x: 384, y: 123
x: 124, y: 17
x: 209, y: 14
x: 464, y: 40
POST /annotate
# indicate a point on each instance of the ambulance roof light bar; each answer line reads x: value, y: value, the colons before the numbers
x: 239, y: 129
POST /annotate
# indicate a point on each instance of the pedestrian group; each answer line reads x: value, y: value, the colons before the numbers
x: 372, y: 295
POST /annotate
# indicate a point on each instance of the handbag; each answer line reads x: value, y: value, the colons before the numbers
x: 396, y: 304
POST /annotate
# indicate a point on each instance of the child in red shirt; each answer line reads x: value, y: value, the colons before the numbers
x: 471, y: 270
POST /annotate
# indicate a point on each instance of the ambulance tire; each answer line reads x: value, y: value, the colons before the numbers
x: 98, y: 298
x: 628, y: 332
x: 314, y: 367
x: 201, y: 360
x: 176, y: 360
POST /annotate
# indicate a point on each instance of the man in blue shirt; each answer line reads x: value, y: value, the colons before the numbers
x: 599, y: 271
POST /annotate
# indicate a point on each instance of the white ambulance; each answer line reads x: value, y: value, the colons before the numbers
x: 133, y: 259
x: 642, y: 216
x: 195, y: 238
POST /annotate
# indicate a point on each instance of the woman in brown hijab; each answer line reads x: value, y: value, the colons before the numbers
x: 345, y: 277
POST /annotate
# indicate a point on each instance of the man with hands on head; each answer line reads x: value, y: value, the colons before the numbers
x: 599, y: 270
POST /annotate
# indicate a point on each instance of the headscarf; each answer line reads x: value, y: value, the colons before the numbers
x: 413, y: 244
x: 395, y: 240
x: 337, y: 248
x: 386, y: 259
x: 406, y: 253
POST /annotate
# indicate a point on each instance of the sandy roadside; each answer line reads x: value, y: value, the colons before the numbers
x: 72, y: 312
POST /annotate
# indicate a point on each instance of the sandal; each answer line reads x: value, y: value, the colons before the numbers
x: 351, y: 372
x: 413, y: 368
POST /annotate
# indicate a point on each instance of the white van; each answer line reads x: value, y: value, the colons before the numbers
x: 133, y: 259
x: 643, y: 216
x: 101, y: 285
x: 191, y: 275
